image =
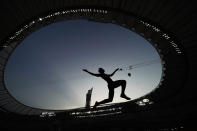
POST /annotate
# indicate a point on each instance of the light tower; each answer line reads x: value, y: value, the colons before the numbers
x: 88, y: 98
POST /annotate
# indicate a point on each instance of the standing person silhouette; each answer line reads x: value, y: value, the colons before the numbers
x: 111, y: 85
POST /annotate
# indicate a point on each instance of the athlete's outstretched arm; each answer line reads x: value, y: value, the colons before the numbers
x: 91, y: 73
x: 114, y: 72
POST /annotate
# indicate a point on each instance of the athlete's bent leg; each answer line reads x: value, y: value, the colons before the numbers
x: 123, y: 85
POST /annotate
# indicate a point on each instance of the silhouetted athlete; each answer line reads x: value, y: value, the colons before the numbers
x: 111, y: 85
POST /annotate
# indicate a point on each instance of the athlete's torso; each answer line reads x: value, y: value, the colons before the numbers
x: 107, y: 78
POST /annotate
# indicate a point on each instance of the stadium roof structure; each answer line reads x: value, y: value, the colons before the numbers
x: 170, y: 26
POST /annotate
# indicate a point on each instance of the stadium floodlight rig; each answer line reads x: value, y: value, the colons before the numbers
x: 170, y: 51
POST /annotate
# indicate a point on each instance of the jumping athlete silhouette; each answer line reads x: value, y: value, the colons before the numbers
x: 111, y: 85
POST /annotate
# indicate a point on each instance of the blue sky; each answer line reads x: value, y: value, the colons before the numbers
x: 45, y: 70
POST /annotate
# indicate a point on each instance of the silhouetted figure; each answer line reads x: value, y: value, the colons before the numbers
x: 111, y: 85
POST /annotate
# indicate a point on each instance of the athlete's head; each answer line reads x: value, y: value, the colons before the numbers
x: 101, y: 70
